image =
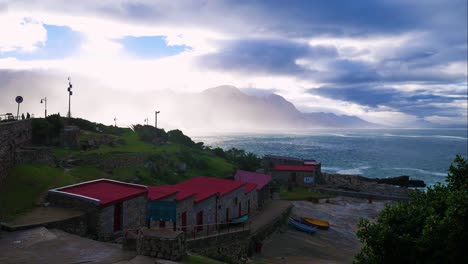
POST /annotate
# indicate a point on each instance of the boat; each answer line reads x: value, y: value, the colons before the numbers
x: 240, y: 220
x: 302, y: 227
x: 316, y: 222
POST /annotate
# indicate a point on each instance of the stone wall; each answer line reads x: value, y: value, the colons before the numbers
x: 284, y: 177
x: 234, y: 251
x: 113, y: 160
x: 134, y: 212
x: 161, y: 243
x: 13, y: 135
x: 35, y: 155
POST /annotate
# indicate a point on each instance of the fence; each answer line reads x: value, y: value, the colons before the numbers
x: 198, y: 231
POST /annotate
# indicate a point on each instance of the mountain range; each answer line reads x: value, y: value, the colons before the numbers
x: 227, y: 107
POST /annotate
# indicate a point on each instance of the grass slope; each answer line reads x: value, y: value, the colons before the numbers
x: 27, y: 185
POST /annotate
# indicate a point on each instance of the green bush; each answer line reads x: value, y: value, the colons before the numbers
x: 431, y: 228
x: 46, y: 131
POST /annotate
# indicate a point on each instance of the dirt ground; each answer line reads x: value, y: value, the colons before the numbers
x: 338, y: 244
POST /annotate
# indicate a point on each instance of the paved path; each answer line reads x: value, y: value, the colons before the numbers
x: 273, y: 210
x: 40, y: 245
x: 42, y: 215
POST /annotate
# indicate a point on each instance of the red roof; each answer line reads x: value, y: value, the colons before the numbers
x: 104, y: 191
x: 250, y: 187
x: 159, y: 192
x: 294, y: 168
x: 205, y: 187
x: 201, y: 187
x: 258, y: 178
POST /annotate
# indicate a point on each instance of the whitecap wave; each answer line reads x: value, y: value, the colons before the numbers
x: 425, y: 136
x: 435, y: 173
x: 354, y: 171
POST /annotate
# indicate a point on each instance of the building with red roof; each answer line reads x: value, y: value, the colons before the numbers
x: 111, y: 206
x: 262, y: 182
x: 303, y: 175
x: 201, y: 201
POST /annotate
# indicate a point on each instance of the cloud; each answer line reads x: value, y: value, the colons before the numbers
x: 264, y: 56
x: 419, y: 103
x: 21, y: 34
x: 400, y: 59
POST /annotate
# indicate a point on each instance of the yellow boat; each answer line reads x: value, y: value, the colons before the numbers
x: 316, y: 222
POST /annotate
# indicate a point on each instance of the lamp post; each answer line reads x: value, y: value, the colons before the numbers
x: 70, y: 93
x: 44, y: 101
x: 156, y: 118
x: 115, y: 121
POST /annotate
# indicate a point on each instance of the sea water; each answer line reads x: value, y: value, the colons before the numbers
x: 424, y: 154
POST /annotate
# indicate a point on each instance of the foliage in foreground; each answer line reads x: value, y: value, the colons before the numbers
x: 431, y: 228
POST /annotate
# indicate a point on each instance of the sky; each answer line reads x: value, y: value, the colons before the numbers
x: 393, y: 62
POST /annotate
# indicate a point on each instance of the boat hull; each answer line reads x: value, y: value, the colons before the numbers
x: 302, y: 227
x: 316, y: 222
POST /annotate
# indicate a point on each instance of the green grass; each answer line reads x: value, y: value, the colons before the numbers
x: 144, y: 175
x: 87, y: 173
x: 197, y: 259
x: 300, y: 193
x: 25, y: 186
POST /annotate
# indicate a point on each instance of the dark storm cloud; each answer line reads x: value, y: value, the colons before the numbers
x: 264, y: 56
x: 419, y: 103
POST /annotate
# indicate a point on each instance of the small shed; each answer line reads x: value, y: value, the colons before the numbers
x: 110, y: 206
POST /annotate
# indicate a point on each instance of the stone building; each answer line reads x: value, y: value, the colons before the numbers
x: 200, y: 203
x: 270, y: 161
x: 110, y: 206
x: 262, y: 182
x: 302, y: 175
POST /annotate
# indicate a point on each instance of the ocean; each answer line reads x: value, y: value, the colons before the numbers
x: 424, y: 154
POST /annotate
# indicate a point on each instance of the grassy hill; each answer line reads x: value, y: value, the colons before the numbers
x: 169, y: 157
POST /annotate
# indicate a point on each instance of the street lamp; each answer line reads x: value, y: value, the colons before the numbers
x: 156, y: 118
x: 44, y: 101
x: 70, y: 93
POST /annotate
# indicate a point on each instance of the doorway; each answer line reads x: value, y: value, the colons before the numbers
x: 118, y: 217
x: 184, y: 221
x: 200, y: 221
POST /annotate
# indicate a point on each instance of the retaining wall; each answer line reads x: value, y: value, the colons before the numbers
x: 13, y: 135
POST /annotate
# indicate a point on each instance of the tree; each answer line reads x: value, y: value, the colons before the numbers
x: 430, y: 228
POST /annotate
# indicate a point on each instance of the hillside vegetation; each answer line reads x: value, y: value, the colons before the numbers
x: 152, y: 157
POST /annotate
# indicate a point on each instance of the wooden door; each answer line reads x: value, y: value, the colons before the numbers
x: 184, y: 221
x: 240, y: 209
x: 200, y: 221
x: 118, y: 217
x: 248, y: 206
x: 227, y: 215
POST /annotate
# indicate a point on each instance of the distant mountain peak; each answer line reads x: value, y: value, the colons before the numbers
x: 224, y: 90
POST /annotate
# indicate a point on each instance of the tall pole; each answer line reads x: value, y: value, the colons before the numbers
x: 115, y: 121
x: 44, y: 100
x: 17, y: 113
x: 69, y: 96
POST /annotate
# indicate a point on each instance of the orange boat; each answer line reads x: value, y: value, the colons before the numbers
x: 316, y: 222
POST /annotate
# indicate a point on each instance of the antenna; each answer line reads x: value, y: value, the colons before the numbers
x: 70, y: 93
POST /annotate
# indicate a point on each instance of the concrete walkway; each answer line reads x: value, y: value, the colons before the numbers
x: 40, y: 245
x: 41, y: 216
x: 271, y: 211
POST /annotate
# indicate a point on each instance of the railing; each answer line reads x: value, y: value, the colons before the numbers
x: 197, y: 231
